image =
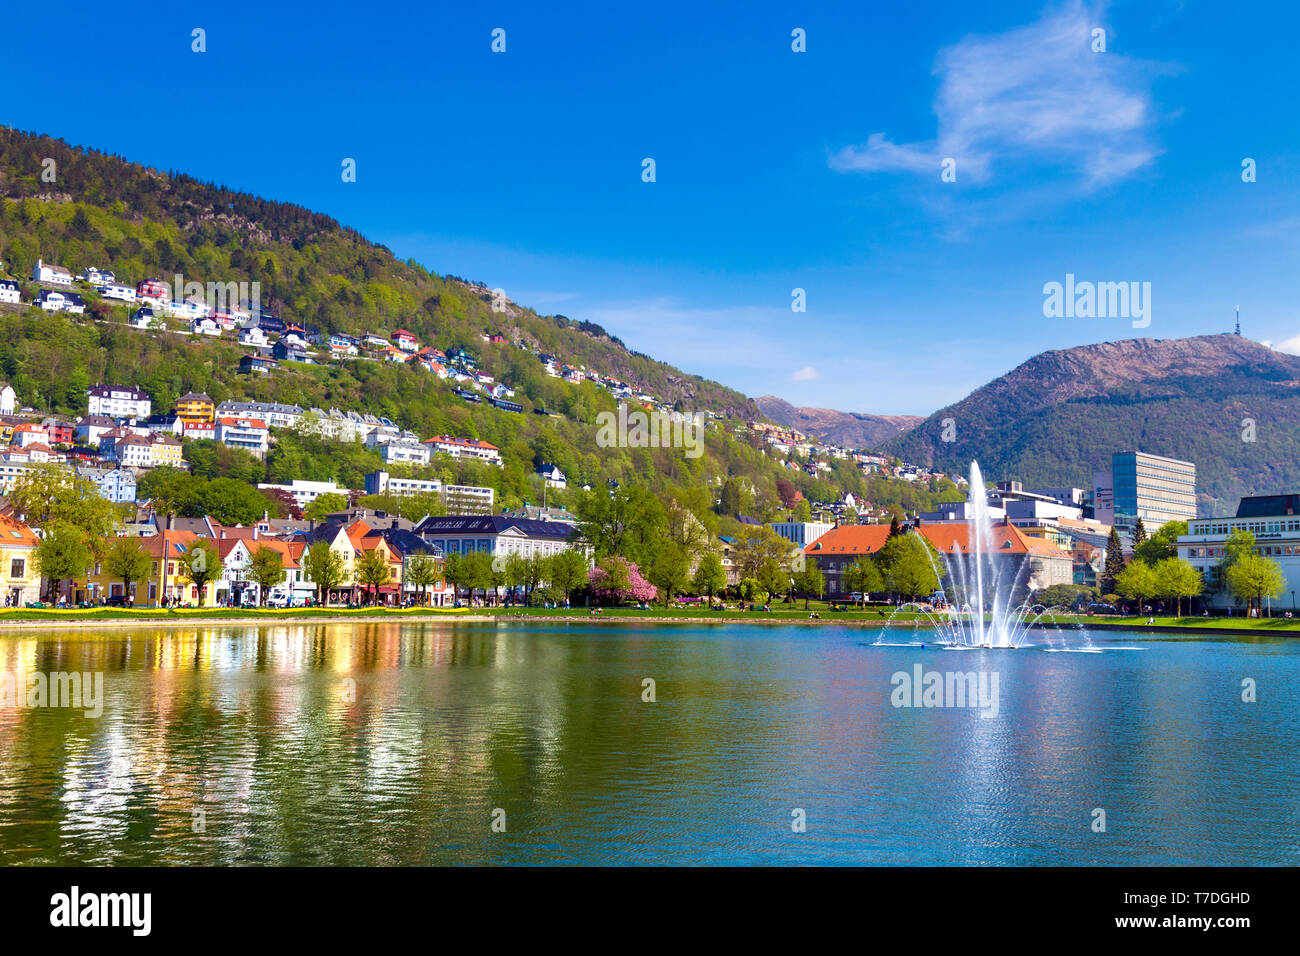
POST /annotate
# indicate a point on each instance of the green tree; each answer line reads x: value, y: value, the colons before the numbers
x: 231, y: 501
x: 48, y: 494
x: 1137, y: 581
x: 810, y: 581
x: 710, y: 576
x: 323, y: 505
x: 1176, y: 579
x: 1161, y: 545
x: 424, y: 572
x: 864, y: 576
x: 373, y: 572
x: 201, y: 565
x: 1254, y: 578
x: 629, y: 523
x: 127, y: 560
x: 172, y: 490
x: 731, y: 501
x: 908, y: 563
x: 670, y: 570
x: 568, y: 571
x: 756, y: 545
x: 325, y: 568
x: 266, y: 570
x: 62, y: 555
x: 1114, y: 564
x: 1139, y: 534
x: 773, y: 577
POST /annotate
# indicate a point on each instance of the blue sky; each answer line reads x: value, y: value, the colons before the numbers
x: 775, y: 170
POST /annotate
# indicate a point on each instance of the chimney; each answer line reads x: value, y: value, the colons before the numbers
x: 171, y: 521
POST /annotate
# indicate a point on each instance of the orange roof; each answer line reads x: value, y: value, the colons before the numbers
x: 356, y: 533
x: 466, y: 442
x: 870, y: 538
x: 171, y: 544
x: 14, y: 532
x: 243, y: 422
x: 289, y: 552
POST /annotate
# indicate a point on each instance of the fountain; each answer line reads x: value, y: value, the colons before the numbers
x: 983, y: 612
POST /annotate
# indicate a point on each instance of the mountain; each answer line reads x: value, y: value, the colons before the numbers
x: 1227, y: 403
x: 852, y: 429
x: 101, y: 210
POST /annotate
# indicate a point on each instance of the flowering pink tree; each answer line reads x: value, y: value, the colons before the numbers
x: 615, y: 580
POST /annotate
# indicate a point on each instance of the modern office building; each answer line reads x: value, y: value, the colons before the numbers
x: 1150, y: 487
x: 801, y: 533
x: 1274, y: 520
x: 459, y: 499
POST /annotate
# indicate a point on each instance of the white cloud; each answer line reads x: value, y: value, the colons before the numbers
x: 805, y: 374
x: 1036, y: 93
x: 1290, y: 346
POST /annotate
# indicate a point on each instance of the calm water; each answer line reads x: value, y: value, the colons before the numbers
x: 393, y: 744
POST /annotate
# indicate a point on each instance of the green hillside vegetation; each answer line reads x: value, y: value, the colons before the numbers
x: 141, y: 223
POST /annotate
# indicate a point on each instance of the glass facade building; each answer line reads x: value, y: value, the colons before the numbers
x: 1153, y: 488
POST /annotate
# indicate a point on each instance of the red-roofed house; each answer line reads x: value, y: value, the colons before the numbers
x: 464, y: 448
x: 1047, y: 563
x: 405, y: 341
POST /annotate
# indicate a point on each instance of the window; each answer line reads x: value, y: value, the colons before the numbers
x: 18, y: 568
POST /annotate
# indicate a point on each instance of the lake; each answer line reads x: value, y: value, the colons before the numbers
x: 404, y: 743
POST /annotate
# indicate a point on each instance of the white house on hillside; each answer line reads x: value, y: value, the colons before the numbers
x: 10, y: 292
x: 54, y: 275
x: 253, y: 335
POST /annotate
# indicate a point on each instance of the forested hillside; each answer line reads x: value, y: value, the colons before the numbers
x: 103, y: 211
x: 1228, y: 404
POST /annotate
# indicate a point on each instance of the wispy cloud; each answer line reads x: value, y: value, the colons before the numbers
x: 805, y: 374
x: 1038, y: 93
x: 1290, y: 346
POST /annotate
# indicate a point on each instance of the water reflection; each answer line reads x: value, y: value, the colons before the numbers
x: 392, y: 743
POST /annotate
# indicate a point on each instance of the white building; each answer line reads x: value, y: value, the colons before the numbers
x: 552, y: 475
x: 801, y: 533
x: 205, y: 326
x: 398, y: 451
x: 253, y: 335
x: 111, y: 290
x: 250, y: 434
x: 305, y: 492
x: 10, y: 292
x: 93, y: 276
x: 117, y: 401
x: 1274, y: 520
x: 275, y: 414
x: 8, y: 399
x: 50, y: 273
x: 52, y: 301
x: 464, y: 448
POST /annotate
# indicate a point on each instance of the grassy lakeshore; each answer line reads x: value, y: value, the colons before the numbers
x: 53, y: 619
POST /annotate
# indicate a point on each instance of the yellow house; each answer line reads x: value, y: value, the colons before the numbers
x: 18, y: 572
x: 166, y: 450
x: 196, y: 408
x: 168, y: 553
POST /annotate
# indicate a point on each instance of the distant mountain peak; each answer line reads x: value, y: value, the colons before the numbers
x: 1062, y: 413
x: 851, y: 429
